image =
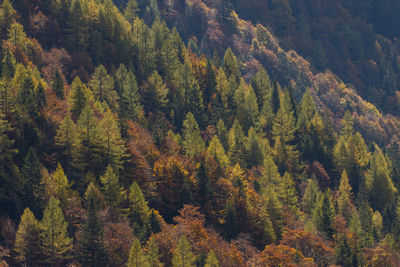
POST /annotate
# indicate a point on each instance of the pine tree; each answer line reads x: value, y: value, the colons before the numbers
x: 237, y: 147
x: 58, y: 84
x: 310, y: 197
x: 193, y: 143
x: 345, y: 196
x: 284, y: 128
x: 112, y: 141
x: 275, y: 99
x: 102, y: 85
x: 231, y: 67
x: 222, y: 133
x: 324, y: 214
x: 7, y: 15
x: 246, y: 105
x: 27, y: 240
x: 230, y: 224
x: 152, y: 257
x: 78, y: 97
x: 154, y: 93
x: 113, y: 192
x: 255, y: 149
x: 56, y: 243
x: 287, y: 192
x: 307, y: 110
x: 131, y: 11
x: 343, y: 253
x: 57, y: 185
x: 91, y: 245
x: 211, y: 260
x: 17, y: 36
x: 136, y: 255
x: 40, y: 96
x: 378, y: 181
x: 77, y: 27
x: 9, y: 173
x: 262, y: 88
x: 89, y: 148
x: 270, y: 172
x: 139, y: 210
x: 183, y: 256
x: 216, y: 149
x: 31, y: 177
x: 65, y: 138
x: 130, y: 107
x: 8, y: 65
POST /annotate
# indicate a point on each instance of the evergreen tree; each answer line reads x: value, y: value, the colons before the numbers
x: 154, y: 93
x: 91, y: 245
x: 27, y: 240
x: 193, y: 143
x: 89, y: 148
x: 275, y: 99
x: 287, y: 192
x: 152, y: 257
x: 65, y: 138
x: 78, y: 37
x: 231, y: 67
x: 102, y: 85
x: 378, y: 181
x: 113, y: 192
x: 345, y: 196
x: 216, y: 149
x: 136, y: 255
x: 78, y: 97
x: 139, y: 210
x: 284, y: 128
x: 131, y: 11
x: 40, y: 96
x: 343, y: 253
x: 58, y: 84
x: 270, y: 174
x: 255, y: 149
x: 237, y: 147
x: 324, y: 214
x: 222, y: 134
x: 310, y: 197
x: 8, y: 64
x: 211, y: 260
x: 111, y: 138
x: 57, y: 185
x: 246, y: 105
x: 56, y: 243
x: 31, y: 177
x: 262, y: 88
x: 183, y: 256
x: 7, y: 15
x: 230, y: 220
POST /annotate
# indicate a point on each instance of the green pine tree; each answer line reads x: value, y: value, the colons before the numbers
x: 211, y: 260
x: 56, y: 243
x: 183, y: 256
x: 136, y: 255
x: 193, y: 143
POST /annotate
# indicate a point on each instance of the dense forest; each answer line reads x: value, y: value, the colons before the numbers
x: 199, y: 133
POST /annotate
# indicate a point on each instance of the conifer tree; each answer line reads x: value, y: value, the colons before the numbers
x: 284, y: 128
x: 343, y: 253
x: 113, y: 192
x: 222, y: 133
x: 111, y: 138
x: 324, y: 214
x: 139, y: 210
x: 246, y: 105
x: 254, y: 149
x: 102, y: 85
x: 307, y: 110
x: 275, y: 99
x: 310, y: 197
x: 31, y: 177
x: 183, y: 256
x: 27, y: 240
x: 7, y: 15
x: 40, y: 96
x: 211, y: 260
x: 78, y: 97
x: 154, y: 93
x: 130, y: 106
x: 193, y: 143
x: 230, y: 224
x: 65, y: 138
x: 58, y: 84
x: 345, y: 196
x: 231, y: 67
x: 152, y: 257
x: 57, y: 185
x: 270, y: 172
x: 378, y: 181
x: 237, y: 147
x: 56, y: 243
x: 262, y: 88
x: 287, y: 192
x: 77, y: 27
x: 216, y: 149
x: 88, y: 149
x: 131, y: 11
x: 91, y: 245
x: 136, y: 255
x: 8, y: 65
